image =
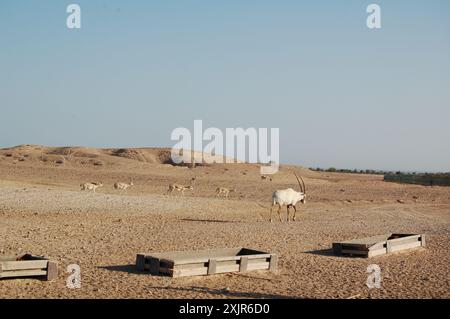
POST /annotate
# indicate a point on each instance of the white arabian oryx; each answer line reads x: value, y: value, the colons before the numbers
x: 288, y: 197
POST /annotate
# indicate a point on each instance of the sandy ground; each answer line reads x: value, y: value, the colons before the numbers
x: 42, y: 211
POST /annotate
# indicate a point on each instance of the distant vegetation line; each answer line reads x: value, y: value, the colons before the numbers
x: 427, y: 179
x: 376, y: 172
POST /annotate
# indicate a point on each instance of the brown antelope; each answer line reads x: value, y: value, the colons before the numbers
x: 179, y: 188
x: 224, y: 191
x: 122, y: 186
x: 91, y: 186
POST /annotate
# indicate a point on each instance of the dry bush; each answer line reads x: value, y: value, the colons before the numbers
x: 98, y: 163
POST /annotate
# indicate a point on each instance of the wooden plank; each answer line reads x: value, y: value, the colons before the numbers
x: 212, y: 266
x: 140, y: 262
x: 24, y: 265
x: 192, y: 257
x: 260, y: 266
x: 405, y: 246
x: 364, y: 248
x: 189, y: 266
x: 23, y: 273
x: 273, y: 263
x: 243, y: 264
x: 194, y: 260
x: 355, y: 252
x: 190, y: 272
x: 406, y: 239
x: 377, y: 252
x: 383, y: 246
x: 377, y: 246
x: 367, y: 241
x: 219, y: 270
x: 192, y: 263
x: 200, y: 254
x: 166, y: 271
x: 166, y: 263
x: 259, y: 260
x: 52, y: 270
x: 337, y: 249
x: 153, y: 266
x: 219, y: 263
x: 228, y: 268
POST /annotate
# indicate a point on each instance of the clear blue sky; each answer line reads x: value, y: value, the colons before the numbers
x: 341, y: 94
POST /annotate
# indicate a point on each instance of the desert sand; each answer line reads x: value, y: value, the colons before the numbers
x: 43, y: 212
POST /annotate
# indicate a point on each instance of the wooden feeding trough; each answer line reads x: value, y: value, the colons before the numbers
x: 378, y: 245
x: 206, y: 262
x: 27, y: 266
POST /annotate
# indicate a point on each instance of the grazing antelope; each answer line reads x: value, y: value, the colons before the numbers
x: 179, y: 188
x: 122, y: 186
x: 91, y: 186
x: 288, y: 197
x: 224, y: 191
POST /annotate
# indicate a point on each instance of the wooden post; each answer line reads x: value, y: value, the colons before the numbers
x: 212, y: 266
x: 140, y: 262
x: 273, y: 263
x: 388, y: 247
x: 243, y: 264
x: 52, y: 270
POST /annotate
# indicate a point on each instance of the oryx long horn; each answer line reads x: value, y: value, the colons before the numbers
x: 304, y: 186
x: 301, y: 189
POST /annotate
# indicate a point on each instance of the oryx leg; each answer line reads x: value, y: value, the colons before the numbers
x: 287, y: 210
x: 295, y: 211
x: 279, y: 212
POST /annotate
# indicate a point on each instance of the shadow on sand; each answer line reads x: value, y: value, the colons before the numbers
x: 321, y: 252
x: 131, y: 269
x: 208, y: 220
x: 329, y: 253
x: 225, y: 292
